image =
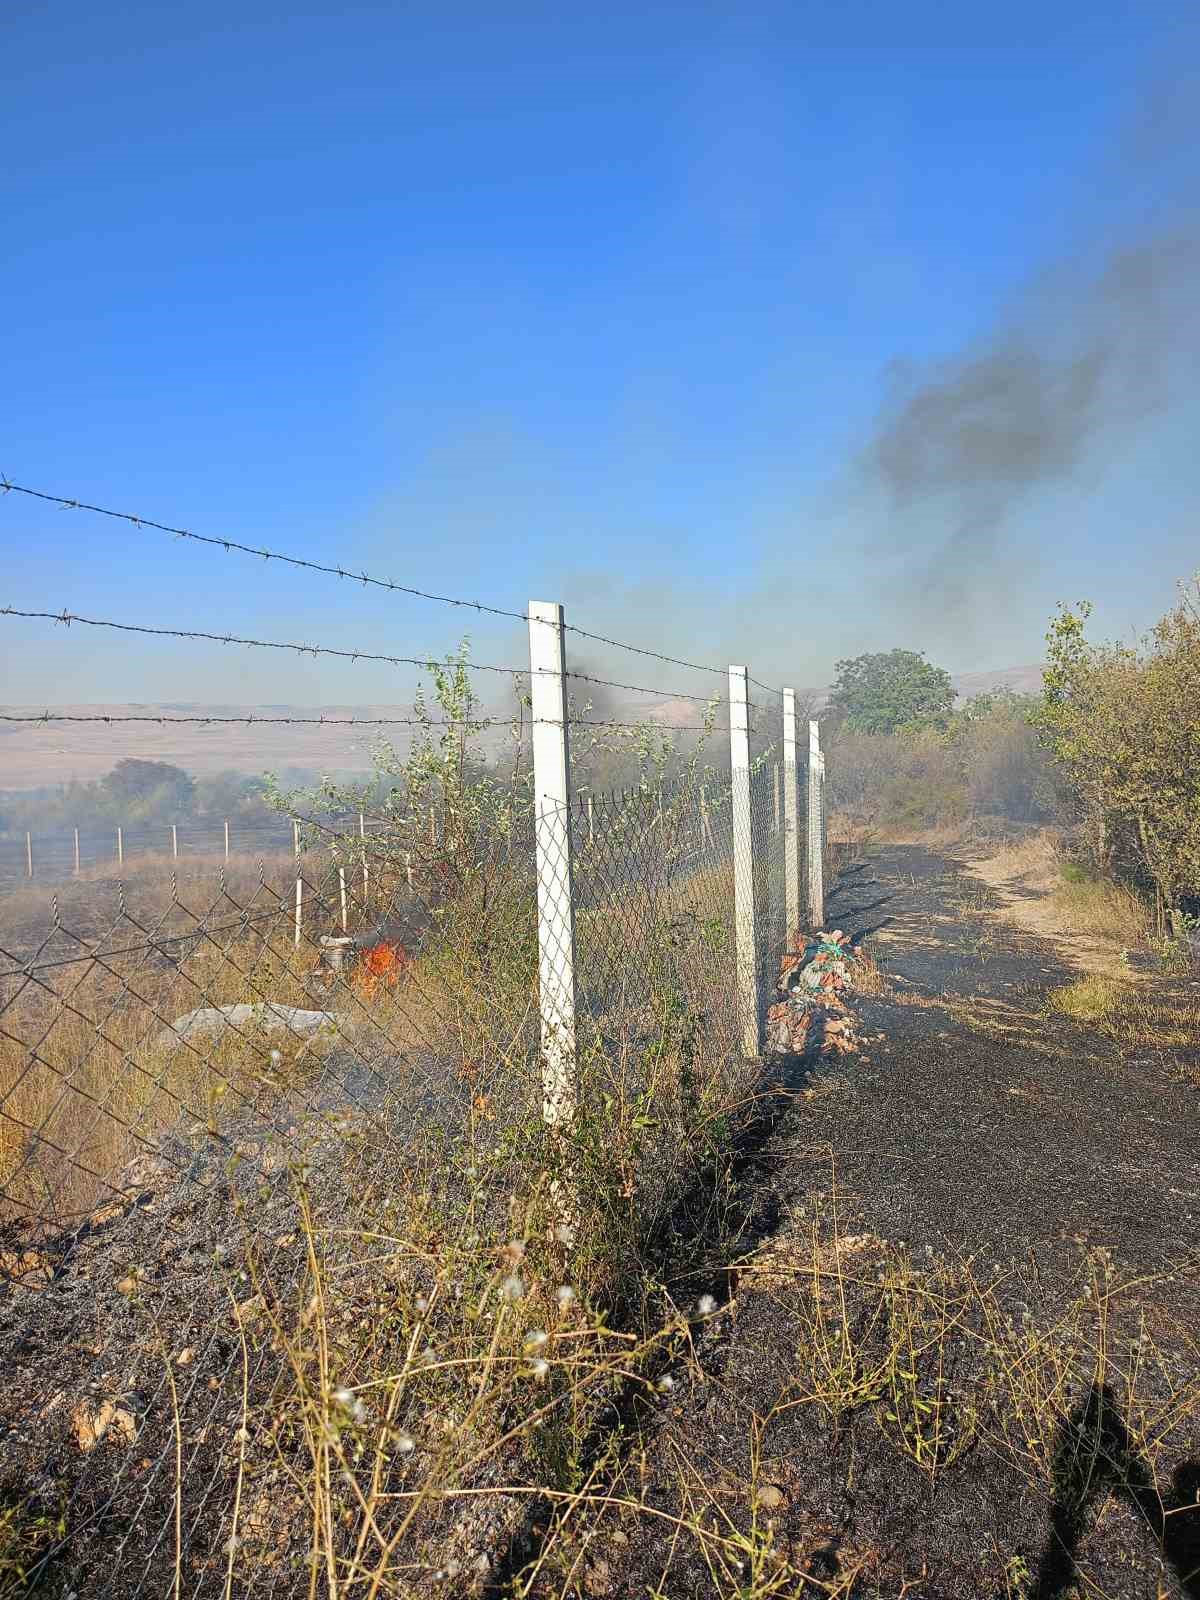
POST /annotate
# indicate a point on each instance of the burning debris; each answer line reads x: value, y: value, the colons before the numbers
x: 812, y: 1017
x: 375, y: 958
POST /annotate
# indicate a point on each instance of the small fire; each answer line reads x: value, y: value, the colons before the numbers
x: 381, y: 965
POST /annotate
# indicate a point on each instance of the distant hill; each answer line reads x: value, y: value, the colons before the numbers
x: 33, y: 755
x: 1021, y: 680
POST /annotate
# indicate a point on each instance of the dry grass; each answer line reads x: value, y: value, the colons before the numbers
x: 1089, y: 999
x: 422, y: 1377
x: 89, y: 904
x: 1093, y: 921
x: 1161, y: 1017
x: 1104, y: 910
x: 842, y: 1342
x: 86, y: 1079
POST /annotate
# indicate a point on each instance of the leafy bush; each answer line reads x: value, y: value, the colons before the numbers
x: 1123, y: 724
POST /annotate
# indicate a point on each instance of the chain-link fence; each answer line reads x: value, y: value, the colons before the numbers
x: 260, y: 1132
x: 46, y: 856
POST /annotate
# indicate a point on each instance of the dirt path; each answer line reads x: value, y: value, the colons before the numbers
x: 966, y: 1360
x: 1022, y: 882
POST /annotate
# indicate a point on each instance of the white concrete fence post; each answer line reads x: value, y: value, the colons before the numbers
x: 29, y: 855
x: 745, y: 921
x: 175, y: 841
x: 299, y: 880
x: 552, y: 833
x: 342, y: 891
x: 227, y: 838
x: 76, y: 852
x: 823, y: 819
x: 791, y: 816
x: 120, y: 847
x: 816, y: 828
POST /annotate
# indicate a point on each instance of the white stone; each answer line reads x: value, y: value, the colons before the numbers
x: 208, y: 1022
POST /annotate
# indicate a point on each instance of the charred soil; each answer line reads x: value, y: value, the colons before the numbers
x: 966, y: 1361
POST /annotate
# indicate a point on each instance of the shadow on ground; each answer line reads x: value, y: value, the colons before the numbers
x: 965, y: 1363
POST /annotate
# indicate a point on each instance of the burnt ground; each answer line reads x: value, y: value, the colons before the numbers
x: 1011, y: 1200
x: 970, y: 1165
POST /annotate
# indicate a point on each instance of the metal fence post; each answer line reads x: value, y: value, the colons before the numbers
x: 76, y: 852
x: 555, y: 889
x: 175, y: 841
x: 120, y: 848
x: 29, y: 854
x: 227, y: 838
x: 816, y: 830
x: 791, y: 816
x: 745, y: 921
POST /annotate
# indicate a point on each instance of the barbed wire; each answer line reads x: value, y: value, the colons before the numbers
x: 72, y: 504
x: 66, y: 618
x: 35, y: 718
x: 300, y: 722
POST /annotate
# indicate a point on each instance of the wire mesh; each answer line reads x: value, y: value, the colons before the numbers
x: 225, y: 1099
x: 179, y: 1082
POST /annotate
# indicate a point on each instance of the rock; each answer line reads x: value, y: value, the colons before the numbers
x: 250, y: 1312
x: 210, y: 1022
x: 30, y: 1268
x: 91, y: 1426
x: 146, y: 1170
x: 598, y: 1579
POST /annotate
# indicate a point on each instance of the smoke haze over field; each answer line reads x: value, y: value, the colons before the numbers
x: 1105, y: 349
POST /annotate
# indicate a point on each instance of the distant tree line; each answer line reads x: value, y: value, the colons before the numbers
x: 904, y: 754
x: 137, y: 791
x: 1110, y: 748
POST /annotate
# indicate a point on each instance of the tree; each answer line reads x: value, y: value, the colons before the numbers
x: 226, y: 794
x: 1124, y: 725
x: 890, y: 690
x: 149, y: 789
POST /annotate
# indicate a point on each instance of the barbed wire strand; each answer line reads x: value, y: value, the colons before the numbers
x: 374, y: 722
x: 72, y: 504
x: 66, y: 618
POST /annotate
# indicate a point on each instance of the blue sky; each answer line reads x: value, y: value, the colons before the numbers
x: 601, y: 305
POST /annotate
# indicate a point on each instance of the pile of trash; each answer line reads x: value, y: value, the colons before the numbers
x: 812, y: 1014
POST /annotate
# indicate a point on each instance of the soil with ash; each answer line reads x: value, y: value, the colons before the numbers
x: 1008, y: 1206
x: 144, y: 1343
